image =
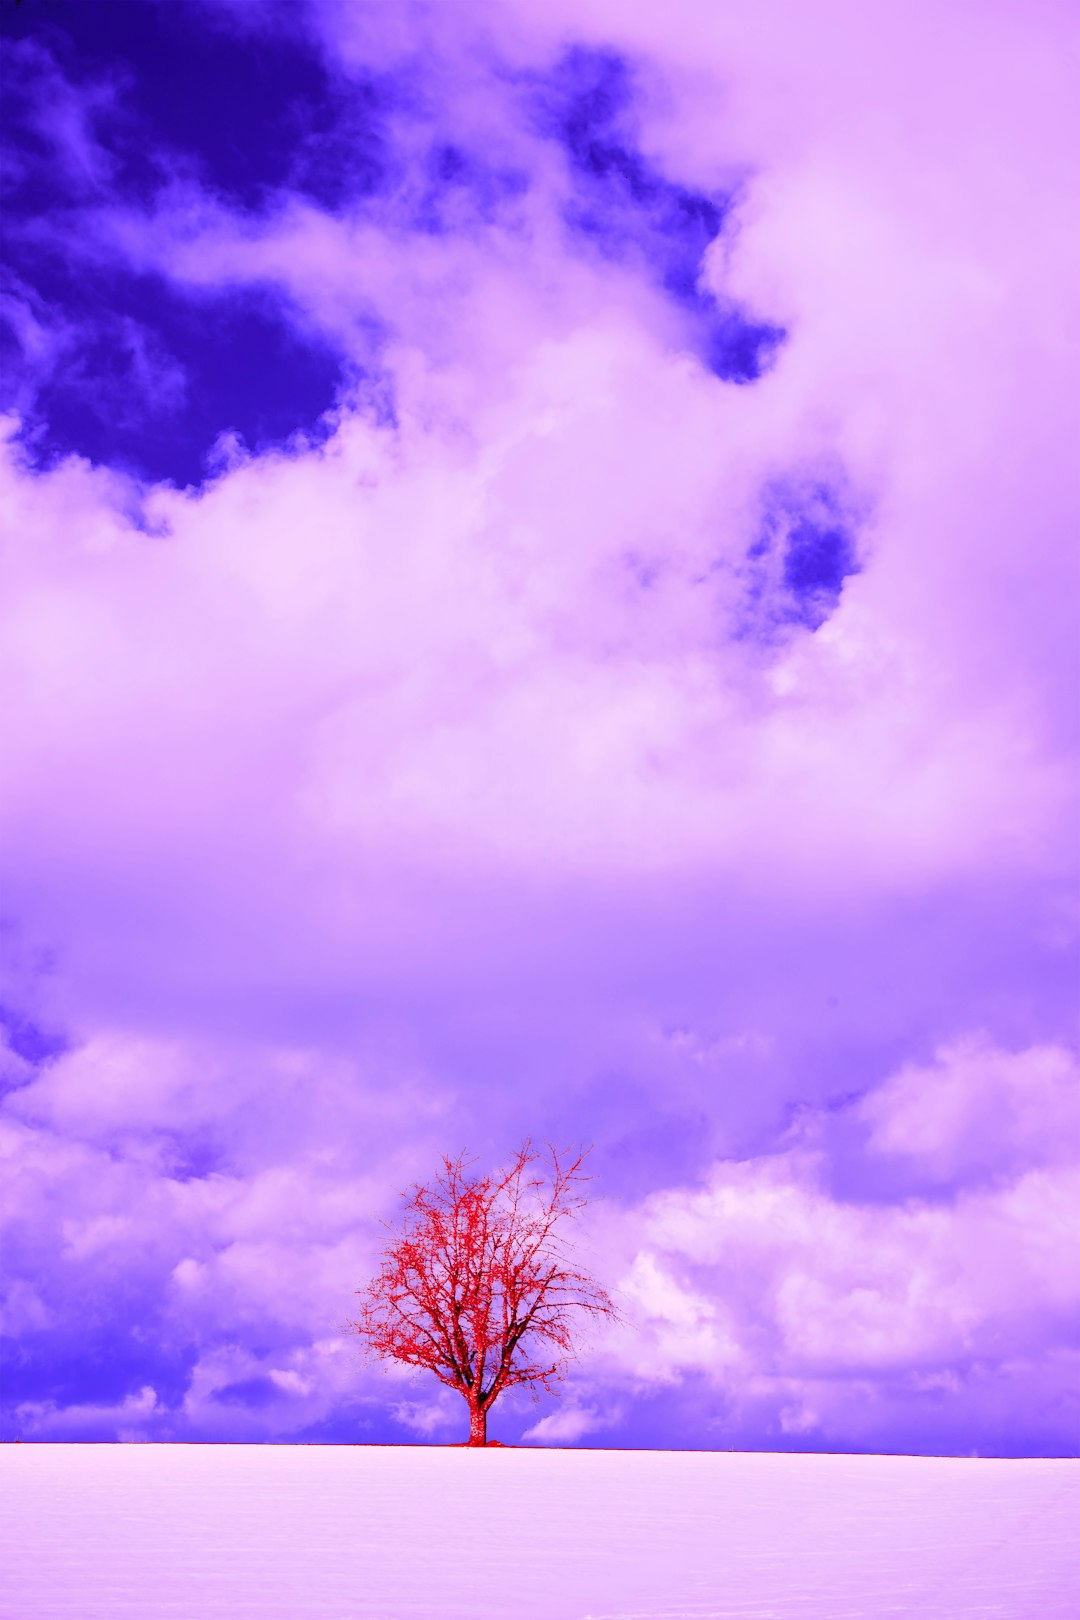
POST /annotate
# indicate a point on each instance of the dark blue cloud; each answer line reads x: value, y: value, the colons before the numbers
x: 806, y: 547
x: 630, y: 212
x: 28, y: 1039
x: 255, y: 1393
x: 191, y: 1155
x: 458, y: 188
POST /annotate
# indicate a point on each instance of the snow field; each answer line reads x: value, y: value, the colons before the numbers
x: 100, y: 1532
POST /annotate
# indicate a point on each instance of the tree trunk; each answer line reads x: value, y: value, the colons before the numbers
x: 477, y: 1425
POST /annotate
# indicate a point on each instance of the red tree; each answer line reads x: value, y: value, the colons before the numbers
x: 476, y: 1285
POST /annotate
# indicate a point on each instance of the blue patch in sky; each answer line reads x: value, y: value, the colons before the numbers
x: 129, y: 369
x: 805, y: 548
x: 246, y: 113
x: 108, y: 104
x: 146, y: 378
x: 100, y: 1364
x: 628, y: 211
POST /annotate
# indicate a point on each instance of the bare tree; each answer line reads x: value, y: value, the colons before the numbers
x: 476, y: 1284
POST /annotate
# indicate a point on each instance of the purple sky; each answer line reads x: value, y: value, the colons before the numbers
x: 539, y: 596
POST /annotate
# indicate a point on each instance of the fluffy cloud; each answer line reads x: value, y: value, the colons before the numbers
x: 442, y: 663
x: 232, y: 1202
x: 978, y: 1111
x: 829, y: 1313
x: 570, y: 1424
x: 805, y: 1315
x: 511, y: 628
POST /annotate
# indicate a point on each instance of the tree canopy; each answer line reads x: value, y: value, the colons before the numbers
x: 477, y: 1285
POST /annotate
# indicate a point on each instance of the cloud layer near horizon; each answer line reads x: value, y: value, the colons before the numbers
x: 624, y: 689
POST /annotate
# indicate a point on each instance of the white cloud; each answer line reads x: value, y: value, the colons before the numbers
x: 978, y: 1110
x: 125, y: 1420
x: 569, y: 1424
x: 777, y: 1290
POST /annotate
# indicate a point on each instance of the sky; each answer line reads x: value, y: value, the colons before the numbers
x: 539, y: 600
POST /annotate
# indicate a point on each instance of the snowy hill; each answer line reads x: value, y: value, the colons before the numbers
x: 385, y: 1533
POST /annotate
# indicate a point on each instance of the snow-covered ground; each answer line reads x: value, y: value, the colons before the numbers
x: 379, y: 1532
